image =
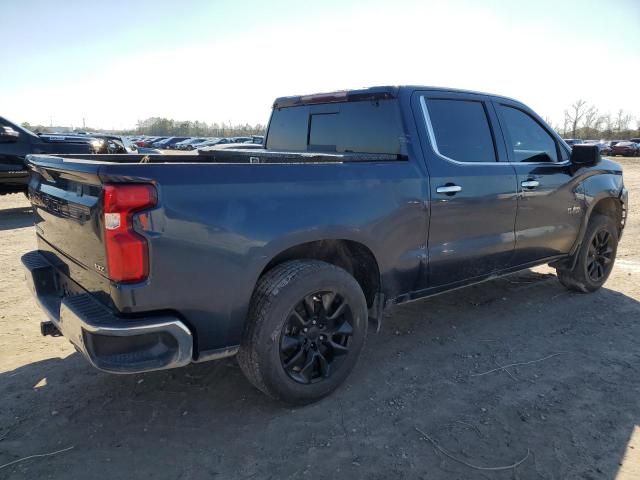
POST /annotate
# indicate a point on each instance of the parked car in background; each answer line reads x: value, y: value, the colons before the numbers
x: 213, y: 141
x: 605, y: 148
x: 195, y: 146
x: 113, y: 143
x: 168, y: 143
x: 635, y: 140
x: 171, y: 144
x: 626, y: 149
x: 180, y: 143
x: 102, y: 142
x: 258, y: 139
x: 241, y: 139
x: 573, y: 141
x: 148, y: 141
x: 189, y: 143
x: 16, y: 142
x: 159, y: 142
x: 169, y: 262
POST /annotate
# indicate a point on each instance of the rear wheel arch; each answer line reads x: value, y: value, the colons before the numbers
x: 352, y: 256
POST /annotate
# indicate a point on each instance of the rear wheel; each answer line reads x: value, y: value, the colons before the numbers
x: 596, y: 256
x: 307, y: 325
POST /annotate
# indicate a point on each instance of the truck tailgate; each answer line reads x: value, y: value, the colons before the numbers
x: 66, y: 198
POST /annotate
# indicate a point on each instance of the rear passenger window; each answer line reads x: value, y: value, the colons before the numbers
x: 528, y: 141
x: 461, y: 130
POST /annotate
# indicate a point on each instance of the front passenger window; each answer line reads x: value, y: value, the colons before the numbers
x: 529, y: 142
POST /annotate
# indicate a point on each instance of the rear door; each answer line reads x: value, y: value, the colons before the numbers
x: 473, y: 188
x: 550, y: 205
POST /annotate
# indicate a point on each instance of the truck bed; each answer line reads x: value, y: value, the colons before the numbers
x: 239, y: 155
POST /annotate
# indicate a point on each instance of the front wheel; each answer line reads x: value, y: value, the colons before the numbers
x: 596, y: 256
x: 306, y: 327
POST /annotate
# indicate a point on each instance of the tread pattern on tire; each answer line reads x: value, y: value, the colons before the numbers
x: 572, y: 279
x: 264, y: 294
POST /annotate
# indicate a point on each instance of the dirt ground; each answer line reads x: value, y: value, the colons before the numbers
x: 575, y: 414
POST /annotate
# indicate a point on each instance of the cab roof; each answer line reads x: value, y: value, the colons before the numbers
x: 372, y: 93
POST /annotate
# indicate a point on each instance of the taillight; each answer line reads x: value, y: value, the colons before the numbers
x: 127, y: 251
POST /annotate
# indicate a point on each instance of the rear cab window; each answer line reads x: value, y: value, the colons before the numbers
x: 364, y: 127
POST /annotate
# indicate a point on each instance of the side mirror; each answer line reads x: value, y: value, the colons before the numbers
x: 585, y: 155
x: 8, y: 135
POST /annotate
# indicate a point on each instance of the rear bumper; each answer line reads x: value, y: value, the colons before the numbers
x: 109, y: 342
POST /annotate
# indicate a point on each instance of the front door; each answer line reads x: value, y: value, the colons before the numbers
x: 550, y: 204
x: 473, y: 193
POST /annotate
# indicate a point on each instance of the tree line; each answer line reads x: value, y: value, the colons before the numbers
x: 581, y: 120
x: 157, y: 126
x: 585, y: 121
x: 169, y: 127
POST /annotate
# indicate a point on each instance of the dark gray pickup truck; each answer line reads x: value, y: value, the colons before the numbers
x: 359, y: 200
x: 17, y: 142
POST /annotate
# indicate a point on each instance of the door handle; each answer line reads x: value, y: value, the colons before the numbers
x: 449, y: 189
x: 530, y: 184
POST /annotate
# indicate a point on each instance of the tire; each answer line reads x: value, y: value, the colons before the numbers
x: 584, y: 277
x: 274, y: 352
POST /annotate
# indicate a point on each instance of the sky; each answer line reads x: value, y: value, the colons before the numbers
x: 113, y: 63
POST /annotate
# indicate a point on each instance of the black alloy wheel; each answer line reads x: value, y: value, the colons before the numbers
x: 307, y: 325
x: 600, y: 255
x: 316, y: 337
